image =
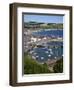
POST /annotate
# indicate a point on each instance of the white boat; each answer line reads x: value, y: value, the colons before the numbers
x: 49, y: 55
x: 42, y: 57
x: 46, y: 52
x: 37, y: 56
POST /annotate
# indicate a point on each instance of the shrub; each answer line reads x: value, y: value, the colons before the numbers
x: 58, y: 67
x: 31, y: 66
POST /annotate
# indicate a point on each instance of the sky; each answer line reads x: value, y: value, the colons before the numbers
x: 43, y: 18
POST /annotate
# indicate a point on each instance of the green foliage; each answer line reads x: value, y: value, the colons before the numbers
x: 51, y: 26
x: 47, y: 26
x: 33, y: 67
x: 58, y: 67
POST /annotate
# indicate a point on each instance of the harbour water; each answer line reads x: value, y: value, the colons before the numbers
x: 52, y: 50
x: 43, y: 54
x: 49, y: 33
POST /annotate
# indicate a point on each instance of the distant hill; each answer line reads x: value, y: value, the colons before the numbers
x: 42, y: 25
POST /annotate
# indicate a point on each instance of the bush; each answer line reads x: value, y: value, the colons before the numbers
x: 33, y: 67
x: 58, y: 67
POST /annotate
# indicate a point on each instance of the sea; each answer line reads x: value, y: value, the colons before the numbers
x: 49, y: 33
x: 54, y: 49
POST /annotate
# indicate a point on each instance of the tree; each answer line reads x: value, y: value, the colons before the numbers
x: 58, y: 67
